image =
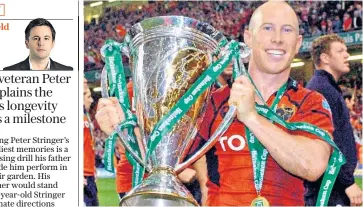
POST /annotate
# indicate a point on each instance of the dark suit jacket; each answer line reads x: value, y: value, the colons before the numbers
x: 324, y: 83
x: 24, y: 65
x: 358, y: 23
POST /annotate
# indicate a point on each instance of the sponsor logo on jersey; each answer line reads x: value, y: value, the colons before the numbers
x: 285, y: 112
x: 235, y: 143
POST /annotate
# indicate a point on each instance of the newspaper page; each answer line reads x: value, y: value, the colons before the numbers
x: 39, y: 107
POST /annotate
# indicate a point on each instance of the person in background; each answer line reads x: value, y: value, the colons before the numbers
x: 355, y: 121
x: 347, y: 22
x: 330, y: 57
x: 349, y: 102
x: 337, y: 24
x: 89, y: 170
x: 357, y: 21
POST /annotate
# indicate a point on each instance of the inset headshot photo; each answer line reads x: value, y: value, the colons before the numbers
x: 40, y: 36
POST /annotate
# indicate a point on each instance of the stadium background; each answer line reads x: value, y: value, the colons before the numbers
x: 112, y: 19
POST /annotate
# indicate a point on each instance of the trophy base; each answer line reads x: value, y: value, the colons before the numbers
x: 160, y: 188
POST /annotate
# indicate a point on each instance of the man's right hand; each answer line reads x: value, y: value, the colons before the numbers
x: 354, y: 194
x: 187, y: 176
x: 109, y: 114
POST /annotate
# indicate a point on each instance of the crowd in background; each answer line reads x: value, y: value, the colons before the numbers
x: 352, y: 88
x: 229, y: 17
x: 315, y: 18
x: 328, y: 17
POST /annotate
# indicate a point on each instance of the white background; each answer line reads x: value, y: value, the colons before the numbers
x: 13, y: 50
x: 12, y: 42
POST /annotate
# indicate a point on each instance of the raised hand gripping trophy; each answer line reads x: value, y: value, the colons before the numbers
x: 174, y: 62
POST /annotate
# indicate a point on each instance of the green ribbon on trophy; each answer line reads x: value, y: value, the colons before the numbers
x: 259, y: 154
x: 117, y: 84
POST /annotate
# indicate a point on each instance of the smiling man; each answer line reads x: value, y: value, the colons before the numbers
x: 257, y: 162
x: 40, y: 40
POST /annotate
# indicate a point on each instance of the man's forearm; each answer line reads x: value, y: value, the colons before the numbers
x: 301, y: 156
x: 200, y: 166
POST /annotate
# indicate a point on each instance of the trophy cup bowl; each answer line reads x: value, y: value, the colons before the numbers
x: 167, y: 55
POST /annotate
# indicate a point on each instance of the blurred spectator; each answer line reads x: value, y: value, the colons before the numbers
x: 316, y: 31
x: 339, y: 11
x: 305, y: 26
x: 313, y: 20
x: 350, y: 10
x: 329, y: 29
x: 349, y: 101
x: 337, y: 24
x: 347, y: 22
x: 358, y: 7
x: 89, y: 167
x: 357, y: 20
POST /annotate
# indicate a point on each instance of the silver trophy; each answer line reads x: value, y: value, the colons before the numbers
x: 167, y: 54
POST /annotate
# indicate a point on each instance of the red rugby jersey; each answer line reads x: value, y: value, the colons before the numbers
x: 89, y: 167
x: 230, y: 171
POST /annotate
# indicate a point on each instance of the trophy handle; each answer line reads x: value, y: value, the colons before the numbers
x: 214, y: 138
x: 123, y: 136
x: 104, y: 85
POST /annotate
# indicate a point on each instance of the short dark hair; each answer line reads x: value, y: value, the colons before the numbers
x: 39, y: 22
x: 347, y: 95
x: 322, y: 45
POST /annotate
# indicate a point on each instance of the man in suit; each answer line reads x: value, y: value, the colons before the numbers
x: 40, y: 40
x: 357, y: 21
x: 330, y: 57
